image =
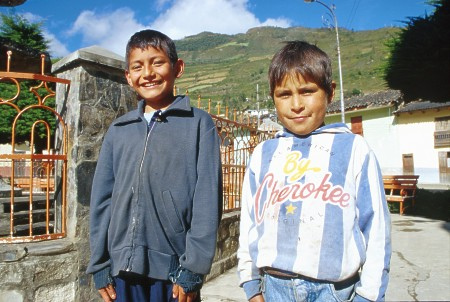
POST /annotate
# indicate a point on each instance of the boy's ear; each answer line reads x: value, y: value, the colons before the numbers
x: 333, y: 90
x: 127, y: 76
x: 179, y: 68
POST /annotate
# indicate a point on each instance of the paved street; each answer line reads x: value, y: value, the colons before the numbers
x: 420, y: 265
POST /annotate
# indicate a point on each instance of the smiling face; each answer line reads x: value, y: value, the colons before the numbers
x: 301, y: 104
x: 152, y: 75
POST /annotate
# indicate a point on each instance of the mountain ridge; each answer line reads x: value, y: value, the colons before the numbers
x: 229, y: 69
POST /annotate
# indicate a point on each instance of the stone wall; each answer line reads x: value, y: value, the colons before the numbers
x: 41, y: 271
x: 55, y: 270
x: 227, y: 244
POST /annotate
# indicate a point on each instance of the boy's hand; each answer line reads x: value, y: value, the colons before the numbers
x: 108, y: 293
x: 178, y: 292
x: 257, y: 298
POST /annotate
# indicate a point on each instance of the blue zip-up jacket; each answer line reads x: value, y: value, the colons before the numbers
x: 315, y: 205
x: 156, y: 197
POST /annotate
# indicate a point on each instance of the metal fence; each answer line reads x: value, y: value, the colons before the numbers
x: 32, y: 184
x: 238, y: 139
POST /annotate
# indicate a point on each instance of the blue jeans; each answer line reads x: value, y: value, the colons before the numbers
x: 142, y: 289
x: 276, y: 289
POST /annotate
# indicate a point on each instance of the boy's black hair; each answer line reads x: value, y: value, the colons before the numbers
x: 151, y: 38
x: 299, y: 57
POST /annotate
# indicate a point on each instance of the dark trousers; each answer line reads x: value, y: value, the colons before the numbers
x: 133, y: 289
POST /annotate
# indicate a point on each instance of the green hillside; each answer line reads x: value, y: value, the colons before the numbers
x: 227, y: 68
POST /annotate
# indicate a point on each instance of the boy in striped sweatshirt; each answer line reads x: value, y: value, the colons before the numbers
x: 314, y: 223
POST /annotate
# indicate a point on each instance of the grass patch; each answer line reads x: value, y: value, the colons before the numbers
x: 234, y: 43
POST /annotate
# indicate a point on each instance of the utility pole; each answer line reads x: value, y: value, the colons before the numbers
x: 257, y: 101
x: 341, y: 88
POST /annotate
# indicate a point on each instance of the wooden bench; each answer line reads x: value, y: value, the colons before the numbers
x: 401, y: 189
x: 39, y: 184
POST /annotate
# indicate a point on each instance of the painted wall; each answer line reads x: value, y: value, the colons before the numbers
x: 416, y: 136
x: 391, y: 136
x: 379, y: 132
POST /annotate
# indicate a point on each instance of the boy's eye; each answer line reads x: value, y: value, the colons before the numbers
x: 158, y: 62
x: 136, y: 67
x: 282, y: 94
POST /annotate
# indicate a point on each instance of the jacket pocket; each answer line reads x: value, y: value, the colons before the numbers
x: 171, y: 212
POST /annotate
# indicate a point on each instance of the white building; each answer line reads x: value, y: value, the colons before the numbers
x: 407, y: 139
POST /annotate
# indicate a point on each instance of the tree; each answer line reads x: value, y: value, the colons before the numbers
x: 25, y: 122
x: 19, y: 30
x: 419, y: 64
x: 29, y: 37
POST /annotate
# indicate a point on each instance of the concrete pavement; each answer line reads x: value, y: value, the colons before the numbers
x: 420, y: 264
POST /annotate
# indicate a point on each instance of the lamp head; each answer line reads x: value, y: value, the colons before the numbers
x: 309, y: 1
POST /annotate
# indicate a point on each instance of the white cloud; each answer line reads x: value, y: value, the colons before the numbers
x: 280, y: 22
x: 188, y: 17
x: 56, y: 47
x: 183, y: 18
x: 110, y: 31
x: 32, y: 18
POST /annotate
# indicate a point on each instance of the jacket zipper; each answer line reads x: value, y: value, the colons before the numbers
x: 145, y: 147
x: 133, y: 224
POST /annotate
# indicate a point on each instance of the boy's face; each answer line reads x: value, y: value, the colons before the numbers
x: 152, y: 75
x: 300, y: 104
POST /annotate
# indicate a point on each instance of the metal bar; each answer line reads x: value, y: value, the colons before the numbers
x: 31, y: 238
x: 32, y: 76
x: 11, y: 216
x: 8, y: 62
x: 31, y: 201
x: 47, y: 200
x: 63, y: 199
x: 34, y: 156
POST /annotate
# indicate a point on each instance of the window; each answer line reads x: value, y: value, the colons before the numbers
x: 442, y: 132
x: 444, y: 162
x: 408, y: 163
x: 357, y: 126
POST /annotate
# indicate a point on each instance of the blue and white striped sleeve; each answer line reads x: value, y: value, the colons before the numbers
x: 375, y: 224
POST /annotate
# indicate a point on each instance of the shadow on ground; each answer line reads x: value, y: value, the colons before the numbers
x: 429, y: 204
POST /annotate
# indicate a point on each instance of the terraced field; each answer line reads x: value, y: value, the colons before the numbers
x: 228, y: 68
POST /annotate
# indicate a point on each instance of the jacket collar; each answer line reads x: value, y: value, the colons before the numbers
x: 181, y: 103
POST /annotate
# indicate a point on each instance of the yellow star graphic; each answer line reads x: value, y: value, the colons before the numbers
x: 290, y: 209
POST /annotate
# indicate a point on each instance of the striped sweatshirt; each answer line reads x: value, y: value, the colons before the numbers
x: 315, y: 205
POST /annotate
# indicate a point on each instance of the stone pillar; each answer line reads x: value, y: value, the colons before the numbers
x: 97, y: 95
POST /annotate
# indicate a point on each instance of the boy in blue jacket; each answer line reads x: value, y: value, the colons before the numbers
x: 157, y: 192
x: 314, y: 223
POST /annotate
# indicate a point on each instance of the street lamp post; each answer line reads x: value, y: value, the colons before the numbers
x: 338, y: 54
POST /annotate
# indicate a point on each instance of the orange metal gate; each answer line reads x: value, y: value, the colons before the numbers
x: 238, y: 139
x: 33, y: 185
x: 238, y: 143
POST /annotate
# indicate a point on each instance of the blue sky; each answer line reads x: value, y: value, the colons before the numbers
x: 70, y: 25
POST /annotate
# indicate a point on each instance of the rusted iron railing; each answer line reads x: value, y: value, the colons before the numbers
x: 33, y: 186
x: 238, y: 139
